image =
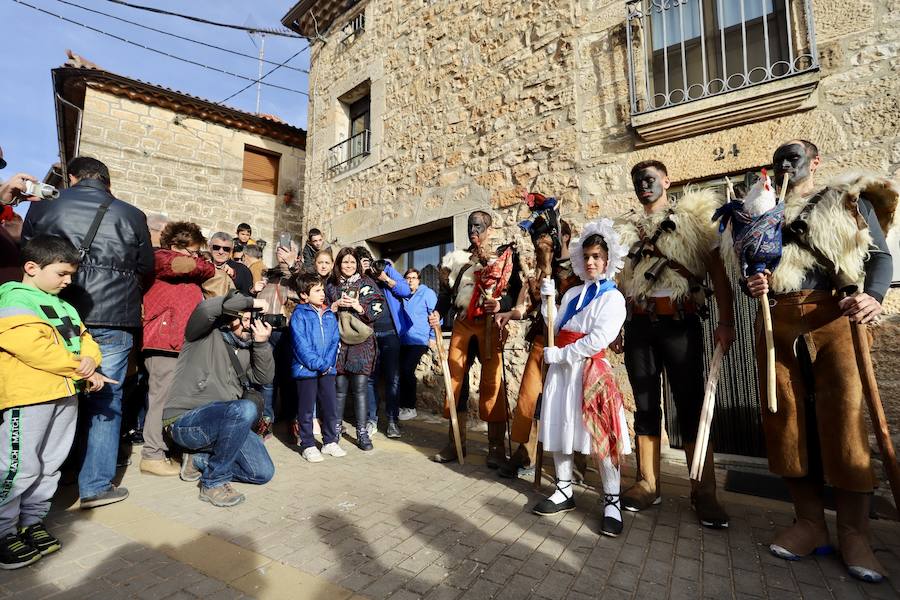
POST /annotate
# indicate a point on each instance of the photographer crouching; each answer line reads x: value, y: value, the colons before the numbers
x: 212, y: 410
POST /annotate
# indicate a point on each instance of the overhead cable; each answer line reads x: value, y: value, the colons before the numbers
x: 281, y: 32
x: 249, y: 85
x: 161, y: 52
x: 180, y: 37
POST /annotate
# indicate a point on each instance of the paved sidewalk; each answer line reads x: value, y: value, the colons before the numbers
x: 392, y: 524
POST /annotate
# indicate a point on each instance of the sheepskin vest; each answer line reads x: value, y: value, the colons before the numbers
x: 834, y: 230
x: 690, y: 244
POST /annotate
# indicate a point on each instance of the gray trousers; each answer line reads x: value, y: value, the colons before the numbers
x: 34, y: 442
x: 161, y: 374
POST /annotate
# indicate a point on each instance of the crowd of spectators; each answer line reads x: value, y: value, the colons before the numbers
x: 215, y: 346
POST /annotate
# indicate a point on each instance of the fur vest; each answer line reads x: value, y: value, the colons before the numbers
x: 833, y: 230
x: 690, y: 244
x: 454, y: 263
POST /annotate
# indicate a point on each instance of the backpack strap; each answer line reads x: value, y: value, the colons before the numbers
x: 95, y: 225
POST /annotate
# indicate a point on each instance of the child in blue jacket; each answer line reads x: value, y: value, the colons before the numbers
x: 315, y: 339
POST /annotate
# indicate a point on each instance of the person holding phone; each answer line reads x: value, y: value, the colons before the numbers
x: 358, y: 302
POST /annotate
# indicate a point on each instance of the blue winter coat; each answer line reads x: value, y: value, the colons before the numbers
x: 417, y: 308
x: 314, y: 342
x: 394, y: 296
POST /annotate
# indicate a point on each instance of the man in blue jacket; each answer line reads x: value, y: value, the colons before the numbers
x: 388, y: 328
x: 415, y: 340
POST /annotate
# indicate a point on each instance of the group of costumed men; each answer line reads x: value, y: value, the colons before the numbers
x: 638, y: 286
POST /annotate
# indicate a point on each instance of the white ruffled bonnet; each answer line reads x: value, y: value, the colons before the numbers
x: 617, y: 252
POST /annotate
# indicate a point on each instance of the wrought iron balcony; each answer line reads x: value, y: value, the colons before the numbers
x: 356, y: 26
x: 350, y: 153
x: 684, y: 50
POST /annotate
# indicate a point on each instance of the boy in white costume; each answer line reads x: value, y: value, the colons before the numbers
x: 582, y: 408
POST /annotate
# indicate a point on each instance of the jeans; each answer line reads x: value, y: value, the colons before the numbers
x: 387, y: 365
x: 100, y: 414
x: 224, y: 447
x: 322, y: 389
x: 409, y: 360
x: 353, y: 385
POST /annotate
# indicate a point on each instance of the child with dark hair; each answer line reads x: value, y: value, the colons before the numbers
x: 46, y: 357
x: 315, y: 340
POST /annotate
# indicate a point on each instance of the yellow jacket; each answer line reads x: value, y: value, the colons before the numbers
x: 35, y: 365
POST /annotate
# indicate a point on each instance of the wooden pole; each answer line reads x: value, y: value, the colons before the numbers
x: 539, y: 453
x: 771, y: 394
x: 876, y: 409
x: 706, y: 414
x: 448, y: 387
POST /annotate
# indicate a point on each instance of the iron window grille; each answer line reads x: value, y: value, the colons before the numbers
x: 356, y: 26
x: 348, y: 154
x: 684, y: 50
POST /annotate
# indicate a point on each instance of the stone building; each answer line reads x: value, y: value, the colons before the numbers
x: 421, y: 111
x: 176, y: 154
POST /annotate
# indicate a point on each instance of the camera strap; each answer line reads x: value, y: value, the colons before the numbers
x: 238, y: 370
x: 95, y: 225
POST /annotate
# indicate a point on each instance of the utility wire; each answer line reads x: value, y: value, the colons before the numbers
x: 180, y: 37
x: 272, y: 70
x: 148, y: 48
x: 160, y: 11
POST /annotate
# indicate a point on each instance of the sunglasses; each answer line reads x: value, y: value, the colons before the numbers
x: 217, y: 248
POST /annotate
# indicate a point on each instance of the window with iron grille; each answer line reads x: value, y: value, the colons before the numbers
x: 685, y: 50
x: 350, y: 153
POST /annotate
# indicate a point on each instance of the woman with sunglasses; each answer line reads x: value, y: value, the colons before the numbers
x: 168, y: 304
x: 357, y: 300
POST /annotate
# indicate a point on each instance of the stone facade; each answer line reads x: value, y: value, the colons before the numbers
x: 472, y: 101
x: 165, y: 162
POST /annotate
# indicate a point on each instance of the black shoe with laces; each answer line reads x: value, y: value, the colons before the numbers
x: 393, y: 430
x: 363, y: 442
x: 15, y: 554
x: 40, y: 539
x: 549, y: 507
x: 611, y: 526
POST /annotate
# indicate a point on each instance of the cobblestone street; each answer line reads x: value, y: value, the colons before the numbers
x: 391, y: 524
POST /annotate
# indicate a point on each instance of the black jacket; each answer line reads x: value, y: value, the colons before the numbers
x: 109, y: 284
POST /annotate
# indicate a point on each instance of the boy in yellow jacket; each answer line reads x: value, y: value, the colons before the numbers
x: 46, y: 357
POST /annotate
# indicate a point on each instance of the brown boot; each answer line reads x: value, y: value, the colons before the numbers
x: 645, y: 492
x: 448, y: 452
x: 161, y: 467
x: 496, y: 444
x: 809, y: 533
x: 703, y: 492
x: 853, y: 535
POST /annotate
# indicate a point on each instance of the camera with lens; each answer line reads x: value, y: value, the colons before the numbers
x: 41, y: 190
x: 377, y: 267
x: 276, y: 321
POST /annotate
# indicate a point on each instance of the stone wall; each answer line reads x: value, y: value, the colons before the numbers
x: 189, y: 169
x: 480, y: 97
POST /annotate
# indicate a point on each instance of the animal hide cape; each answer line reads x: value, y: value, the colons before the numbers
x: 695, y: 236
x: 454, y: 262
x: 833, y: 229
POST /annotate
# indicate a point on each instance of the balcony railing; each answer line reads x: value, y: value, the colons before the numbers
x: 350, y: 153
x: 684, y: 50
x: 356, y: 26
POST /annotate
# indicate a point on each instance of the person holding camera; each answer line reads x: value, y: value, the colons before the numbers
x: 358, y: 302
x: 12, y: 191
x: 314, y: 341
x: 388, y: 327
x: 212, y: 409
x: 168, y: 304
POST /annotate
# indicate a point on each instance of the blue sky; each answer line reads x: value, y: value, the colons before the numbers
x: 34, y: 43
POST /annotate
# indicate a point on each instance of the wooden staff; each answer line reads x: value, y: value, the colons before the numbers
x: 539, y: 453
x: 771, y: 396
x: 876, y: 409
x: 488, y: 325
x: 701, y: 445
x: 448, y: 387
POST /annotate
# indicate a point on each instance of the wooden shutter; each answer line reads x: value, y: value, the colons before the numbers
x: 261, y: 170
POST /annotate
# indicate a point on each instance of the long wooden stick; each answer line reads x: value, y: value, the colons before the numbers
x: 771, y: 394
x: 706, y: 414
x: 876, y: 409
x: 448, y: 387
x: 539, y: 453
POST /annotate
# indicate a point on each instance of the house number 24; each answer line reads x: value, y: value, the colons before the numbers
x: 720, y: 153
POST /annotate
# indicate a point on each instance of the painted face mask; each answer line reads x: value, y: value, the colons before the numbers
x: 478, y: 228
x: 648, y: 185
x: 793, y: 160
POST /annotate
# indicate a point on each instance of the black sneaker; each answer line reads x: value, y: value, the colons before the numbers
x: 112, y: 495
x: 393, y: 430
x: 15, y: 554
x: 40, y: 539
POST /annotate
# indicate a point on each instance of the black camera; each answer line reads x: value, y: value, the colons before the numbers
x: 377, y: 267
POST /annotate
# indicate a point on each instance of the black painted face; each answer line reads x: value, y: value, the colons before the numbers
x: 478, y: 229
x: 793, y: 160
x: 648, y: 185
